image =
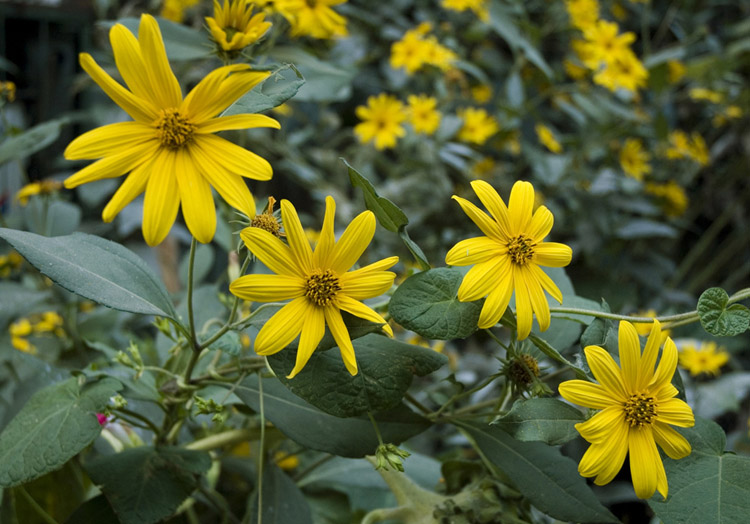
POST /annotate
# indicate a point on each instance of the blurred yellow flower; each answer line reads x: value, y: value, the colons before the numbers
x: 314, y: 18
x: 728, y: 113
x: 10, y: 263
x: 382, y: 120
x: 423, y: 115
x: 170, y: 149
x: 573, y: 70
x: 547, y: 138
x: 484, y: 167
x: 21, y: 328
x: 508, y: 257
x: 644, y: 329
x: 50, y: 322
x: 694, y: 147
x: 317, y: 282
x: 478, y: 125
x: 174, y: 10
x: 234, y: 27
x: 286, y: 461
x: 478, y: 6
x: 410, y: 52
x: 436, y: 345
x: 701, y: 93
x: 706, y: 359
x: 624, y: 72
x: 436, y: 54
x: 583, y: 13
x: 481, y: 93
x: 44, y: 187
x: 673, y: 198
x: 604, y: 43
x: 634, y: 160
x: 7, y: 91
x: 676, y: 71
x: 637, y: 408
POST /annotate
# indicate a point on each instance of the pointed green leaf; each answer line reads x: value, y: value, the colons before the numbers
x: 31, y: 140
x: 389, y: 215
x: 717, y: 318
x: 283, y: 502
x: 544, y: 419
x: 54, y: 426
x: 282, y: 85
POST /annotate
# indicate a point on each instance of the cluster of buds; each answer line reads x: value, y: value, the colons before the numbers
x: 388, y: 456
x: 208, y: 407
x: 132, y: 359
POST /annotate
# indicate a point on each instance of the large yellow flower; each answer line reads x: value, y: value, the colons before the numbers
x: 637, y: 406
x: 509, y: 256
x: 318, y: 282
x: 170, y: 149
x: 382, y: 120
x: 234, y: 27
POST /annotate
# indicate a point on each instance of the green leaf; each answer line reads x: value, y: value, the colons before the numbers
x: 145, y: 484
x: 426, y: 303
x: 386, y: 368
x: 282, y: 85
x: 721, y: 395
x: 229, y: 343
x: 18, y: 300
x: 324, y: 81
x: 504, y: 24
x: 389, y: 215
x: 554, y: 354
x: 548, y: 479
x: 181, y: 42
x: 93, y: 510
x: 717, y: 318
x: 55, y: 425
x: 544, y: 419
x: 30, y: 141
x: 414, y: 249
x: 95, y: 268
x: 315, y: 429
x: 708, y: 485
x: 283, y: 502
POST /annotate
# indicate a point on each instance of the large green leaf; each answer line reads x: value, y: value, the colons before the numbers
x: 145, y: 484
x: 708, y: 485
x: 95, y: 268
x: 548, y: 479
x: 426, y: 303
x: 54, y: 426
x: 93, y: 510
x: 717, y: 318
x: 282, y: 85
x: 503, y: 22
x: 386, y: 368
x: 283, y: 502
x: 544, y: 419
x: 31, y: 140
x: 315, y: 429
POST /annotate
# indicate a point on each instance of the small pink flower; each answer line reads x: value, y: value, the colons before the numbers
x: 102, y: 418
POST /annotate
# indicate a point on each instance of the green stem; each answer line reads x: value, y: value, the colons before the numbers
x: 195, y: 355
x: 261, y: 451
x: 375, y: 425
x: 421, y: 407
x: 226, y: 438
x: 312, y: 467
x: 140, y: 417
x: 613, y: 316
x: 36, y: 507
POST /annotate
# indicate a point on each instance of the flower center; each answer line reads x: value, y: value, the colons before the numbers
x: 523, y: 369
x: 640, y: 410
x: 267, y: 222
x: 173, y: 129
x: 521, y: 249
x: 322, y: 286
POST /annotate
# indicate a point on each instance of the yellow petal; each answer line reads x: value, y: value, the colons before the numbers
x: 235, y: 159
x: 313, y: 329
x: 324, y: 247
x: 547, y: 284
x: 494, y: 204
x: 520, y: 206
x: 480, y: 280
x: 271, y: 251
x: 538, y: 300
x: 648, y: 359
x: 605, y: 370
x: 586, y: 394
x: 541, y: 224
x: 133, y: 185
x: 197, y: 200
x: 644, y: 461
x: 358, y: 309
x: 667, y: 365
x: 368, y: 285
x: 114, y: 165
x: 369, y: 269
x: 353, y: 242
x: 138, y: 108
x: 230, y: 186
x: 674, y: 445
x: 552, y: 254
x: 474, y: 250
x: 630, y: 355
x: 283, y: 327
x: 129, y: 61
x: 616, y: 450
x: 676, y: 412
x: 524, y: 310
x: 488, y: 226
x: 600, y: 427
x: 162, y: 200
x: 206, y: 89
x: 164, y: 86
x: 296, y: 237
x: 230, y: 89
x: 268, y: 288
x: 496, y: 302
x: 102, y: 141
x: 225, y: 123
x: 341, y: 336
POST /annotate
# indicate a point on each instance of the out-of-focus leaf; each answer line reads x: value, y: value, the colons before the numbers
x: 544, y: 419
x: 283, y: 502
x: 93, y: 510
x: 644, y: 228
x: 30, y: 141
x: 503, y: 22
x: 324, y: 82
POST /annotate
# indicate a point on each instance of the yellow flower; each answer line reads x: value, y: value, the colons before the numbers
x: 313, y: 18
x: 21, y: 328
x: 626, y: 72
x: 381, y: 121
x: 174, y: 10
x: 422, y: 114
x: 483, y: 167
x: 693, y: 147
x: 676, y: 71
x: 547, y: 138
x: 7, y: 91
x: 285, y: 461
x: 22, y: 344
x: 481, y: 93
x: 583, y: 13
x: 634, y: 160
x: 573, y: 70
x: 234, y: 27
x: 170, y: 149
x: 673, y: 197
x: 509, y: 256
x: 9, y: 263
x: 644, y: 329
x: 478, y: 126
x: 478, y: 6
x: 438, y: 55
x: 637, y: 406
x: 707, y: 359
x: 729, y: 113
x: 604, y: 43
x: 45, y: 187
x: 317, y: 282
x: 50, y: 321
x: 701, y: 93
x: 410, y: 52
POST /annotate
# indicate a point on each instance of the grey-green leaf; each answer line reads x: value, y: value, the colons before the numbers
x: 386, y: 368
x: 30, y: 141
x: 95, y: 268
x: 315, y: 429
x: 548, y: 479
x: 54, y: 426
x: 145, y: 484
x: 389, y: 215
x: 283, y: 502
x: 426, y: 303
x: 717, y: 318
x: 282, y: 85
x: 708, y: 485
x: 544, y: 419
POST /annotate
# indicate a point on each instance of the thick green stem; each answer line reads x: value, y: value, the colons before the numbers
x: 226, y: 438
x: 191, y: 317
x: 140, y: 417
x: 614, y: 316
x: 377, y: 429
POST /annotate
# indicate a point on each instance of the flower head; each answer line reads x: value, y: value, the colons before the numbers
x: 583, y: 13
x: 547, y: 138
x: 706, y: 359
x: 313, y: 18
x: 634, y: 160
x: 170, y: 149
x: 671, y: 195
x: 478, y: 6
x: 478, y: 125
x: 44, y: 187
x: 637, y: 407
x: 317, y: 282
x: 423, y: 115
x: 507, y: 259
x: 234, y: 27
x: 382, y: 120
x: 174, y: 10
